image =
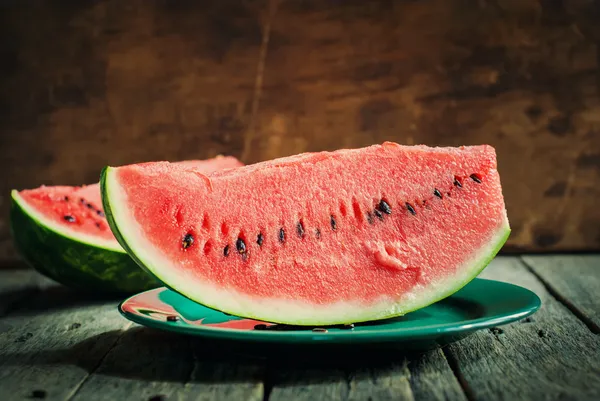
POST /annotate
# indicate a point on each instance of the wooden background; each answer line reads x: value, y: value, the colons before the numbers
x: 89, y: 83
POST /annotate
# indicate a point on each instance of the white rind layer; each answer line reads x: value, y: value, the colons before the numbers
x: 274, y: 309
x: 111, y: 245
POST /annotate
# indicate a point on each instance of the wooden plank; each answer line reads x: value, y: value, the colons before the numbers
x: 54, y: 342
x: 16, y: 285
x: 550, y: 356
x: 388, y: 382
x: 432, y: 379
x: 354, y: 375
x: 147, y: 363
x: 574, y: 280
x: 218, y: 379
x: 307, y: 384
x: 143, y: 363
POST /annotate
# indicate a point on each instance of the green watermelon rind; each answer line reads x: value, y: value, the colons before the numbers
x: 117, y: 233
x: 485, y: 256
x: 71, y: 261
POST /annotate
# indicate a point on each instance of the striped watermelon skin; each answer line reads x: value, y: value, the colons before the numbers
x: 73, y: 263
x: 62, y: 232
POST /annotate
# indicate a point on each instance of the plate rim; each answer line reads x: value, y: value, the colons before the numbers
x: 342, y: 336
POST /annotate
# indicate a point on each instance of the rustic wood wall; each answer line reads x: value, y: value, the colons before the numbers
x: 89, y: 83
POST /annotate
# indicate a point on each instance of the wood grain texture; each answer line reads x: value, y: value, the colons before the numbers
x: 148, y: 363
x: 143, y: 363
x: 216, y: 379
x: 432, y: 379
x: 574, y: 280
x: 390, y: 382
x: 85, y: 84
x: 307, y: 384
x: 550, y: 356
x: 53, y: 342
x: 376, y: 374
x: 74, y: 347
x: 16, y: 286
x: 523, y: 76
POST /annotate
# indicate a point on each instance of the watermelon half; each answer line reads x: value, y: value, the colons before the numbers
x: 62, y: 232
x: 317, y: 238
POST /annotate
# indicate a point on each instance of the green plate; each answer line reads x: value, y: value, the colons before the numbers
x: 480, y: 304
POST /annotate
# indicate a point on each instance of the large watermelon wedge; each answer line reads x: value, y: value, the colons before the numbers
x: 62, y: 232
x: 317, y: 238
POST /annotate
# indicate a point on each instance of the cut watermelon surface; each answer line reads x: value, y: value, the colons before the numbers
x: 62, y: 231
x: 317, y: 238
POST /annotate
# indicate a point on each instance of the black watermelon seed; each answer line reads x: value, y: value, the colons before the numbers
x: 187, y: 241
x: 437, y: 193
x: 333, y: 223
x: 260, y: 327
x: 384, y: 207
x: 240, y: 245
x: 100, y: 213
x: 66, y: 198
x: 457, y: 182
x: 81, y: 200
x: 38, y: 394
x: 319, y: 330
x: 89, y: 205
x: 281, y: 235
x: 348, y: 326
x: 476, y: 178
x: 378, y: 214
x: 370, y: 217
x: 318, y: 233
x: 260, y: 239
x: 69, y: 218
x: 98, y: 225
x: 226, y: 250
x: 300, y: 229
x: 172, y: 318
x: 411, y: 209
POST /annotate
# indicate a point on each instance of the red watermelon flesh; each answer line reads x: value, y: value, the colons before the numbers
x: 78, y: 210
x: 317, y: 238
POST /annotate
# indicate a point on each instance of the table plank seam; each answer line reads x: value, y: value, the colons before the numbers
x: 462, y: 381
x: 100, y: 361
x: 268, y: 382
x: 191, y: 375
x: 593, y: 327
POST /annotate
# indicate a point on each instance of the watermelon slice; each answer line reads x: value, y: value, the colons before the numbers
x: 62, y: 232
x: 317, y: 238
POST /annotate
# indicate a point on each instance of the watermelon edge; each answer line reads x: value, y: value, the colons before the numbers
x: 481, y: 260
x: 115, y: 228
x: 66, y: 259
x: 63, y: 232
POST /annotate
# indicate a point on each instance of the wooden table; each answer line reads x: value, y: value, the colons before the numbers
x: 59, y: 346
